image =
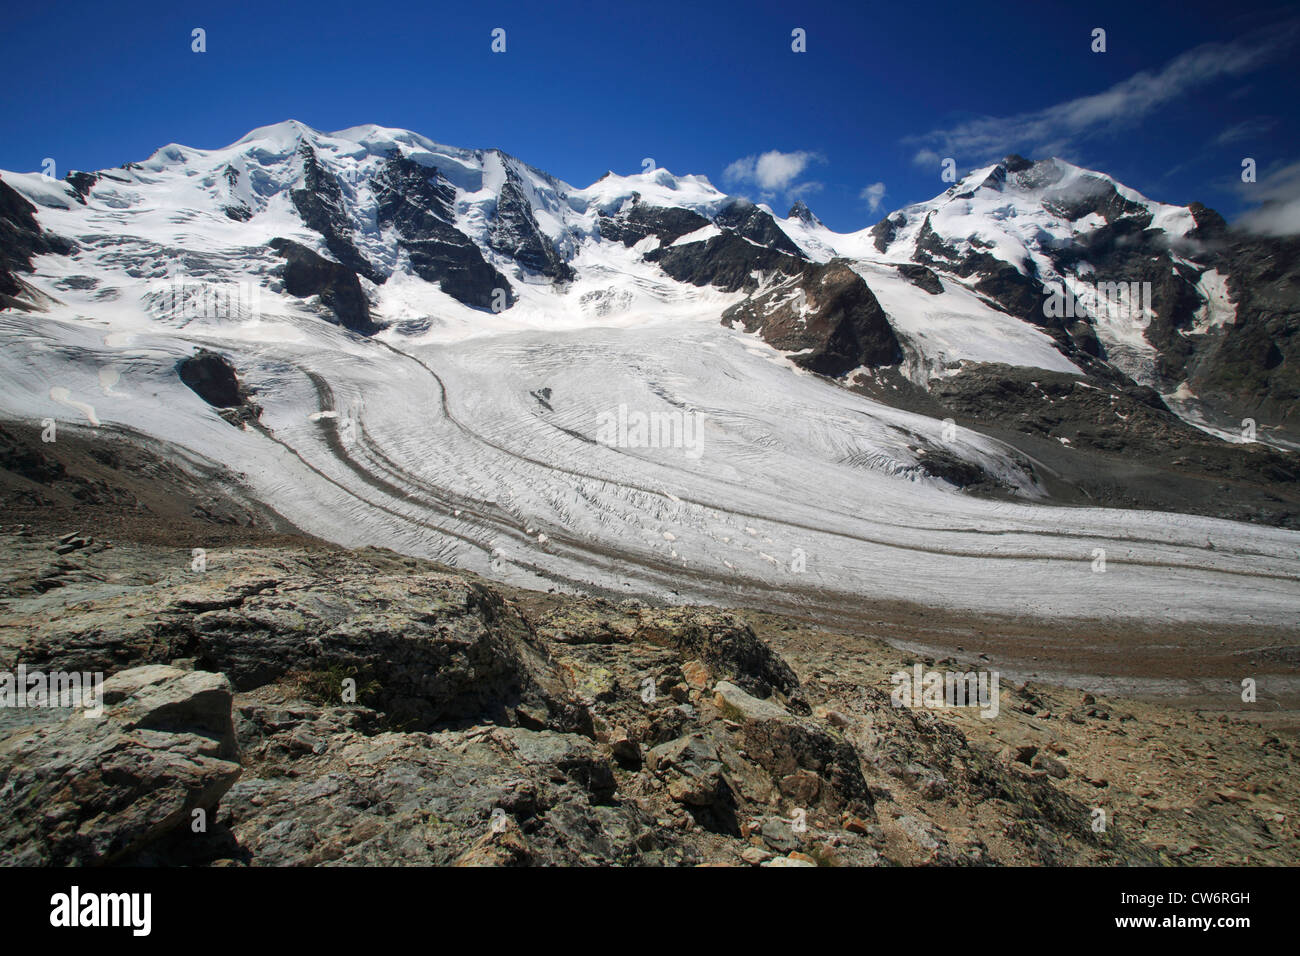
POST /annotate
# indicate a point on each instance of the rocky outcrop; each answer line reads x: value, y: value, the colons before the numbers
x: 99, y: 790
x: 81, y: 184
x: 827, y: 316
x: 636, y: 220
x: 746, y: 245
x: 756, y: 225
x: 726, y: 261
x: 801, y: 212
x: 885, y: 231
x: 322, y: 206
x: 235, y: 208
x: 515, y: 233
x: 21, y: 238
x: 380, y: 710
x: 921, y: 277
x: 749, y: 247
x: 420, y: 204
x: 307, y: 274
x: 215, y: 380
x: 1252, y: 366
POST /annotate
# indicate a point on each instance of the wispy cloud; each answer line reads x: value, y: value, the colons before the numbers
x: 772, y: 172
x: 1278, y: 197
x: 805, y: 189
x: 1058, y: 129
x: 926, y: 157
x: 1245, y: 130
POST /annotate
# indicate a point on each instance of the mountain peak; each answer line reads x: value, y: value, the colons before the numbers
x: 286, y: 132
x: 1014, y: 163
x: 801, y: 212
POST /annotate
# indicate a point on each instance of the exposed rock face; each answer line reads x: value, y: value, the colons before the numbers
x: 81, y: 184
x: 637, y: 220
x: 321, y: 204
x: 307, y: 274
x: 727, y: 261
x: 801, y: 212
x: 94, y: 791
x: 215, y: 380
x: 749, y: 222
x: 921, y: 277
x: 1167, y: 463
x: 21, y: 237
x: 515, y: 232
x: 746, y: 246
x: 884, y: 232
x: 234, y: 208
x: 1238, y: 358
x: 827, y: 315
x: 1252, y: 367
x: 749, y: 247
x: 419, y: 202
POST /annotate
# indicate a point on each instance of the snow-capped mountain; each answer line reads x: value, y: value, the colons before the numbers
x: 452, y: 353
x: 414, y: 222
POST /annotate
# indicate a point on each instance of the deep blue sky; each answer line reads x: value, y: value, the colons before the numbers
x: 697, y: 86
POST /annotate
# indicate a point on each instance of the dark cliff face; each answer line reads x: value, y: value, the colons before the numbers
x: 233, y: 207
x: 320, y: 203
x: 749, y: 222
x: 921, y: 277
x: 307, y: 274
x: 749, y: 245
x: 726, y: 261
x: 515, y: 233
x: 21, y: 238
x: 805, y: 215
x: 420, y: 204
x: 828, y: 315
x: 1252, y: 367
x: 638, y: 219
x: 81, y: 184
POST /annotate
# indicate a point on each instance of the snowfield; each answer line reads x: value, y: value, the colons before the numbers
x: 471, y: 438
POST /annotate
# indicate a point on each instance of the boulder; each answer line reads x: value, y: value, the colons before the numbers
x: 94, y: 791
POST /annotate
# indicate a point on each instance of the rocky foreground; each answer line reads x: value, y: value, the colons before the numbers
x: 498, y: 727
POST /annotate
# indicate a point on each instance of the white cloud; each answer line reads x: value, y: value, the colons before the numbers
x: 773, y: 171
x: 742, y: 170
x: 1247, y: 129
x: 874, y: 195
x: 1056, y: 129
x: 927, y: 157
x: 1278, y: 195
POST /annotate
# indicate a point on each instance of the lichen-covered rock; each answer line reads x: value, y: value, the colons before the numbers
x: 94, y: 791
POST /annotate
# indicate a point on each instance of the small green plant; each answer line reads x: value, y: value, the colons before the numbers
x: 326, y: 685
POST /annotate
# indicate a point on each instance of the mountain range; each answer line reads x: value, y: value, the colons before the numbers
x: 390, y: 341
